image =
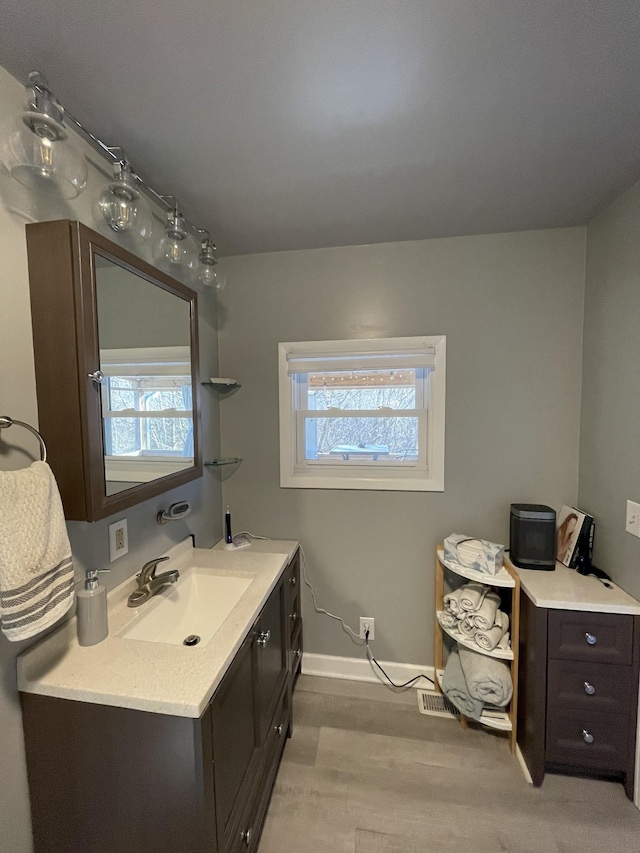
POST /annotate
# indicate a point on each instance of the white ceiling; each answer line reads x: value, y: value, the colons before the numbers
x: 284, y: 124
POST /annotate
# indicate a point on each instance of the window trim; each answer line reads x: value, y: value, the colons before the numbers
x: 354, y: 476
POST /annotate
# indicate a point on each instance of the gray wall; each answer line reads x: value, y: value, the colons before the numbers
x: 511, y: 306
x: 609, y: 446
x: 18, y: 400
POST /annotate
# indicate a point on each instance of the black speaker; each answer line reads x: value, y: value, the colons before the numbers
x: 532, y: 542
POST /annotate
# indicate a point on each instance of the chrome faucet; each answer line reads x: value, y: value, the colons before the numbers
x: 149, y: 583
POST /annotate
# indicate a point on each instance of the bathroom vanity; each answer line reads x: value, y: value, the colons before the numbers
x: 578, y: 676
x: 143, y: 746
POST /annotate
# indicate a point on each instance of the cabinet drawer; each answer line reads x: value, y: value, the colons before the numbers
x: 568, y: 734
x: 597, y: 637
x: 247, y: 834
x: 584, y: 685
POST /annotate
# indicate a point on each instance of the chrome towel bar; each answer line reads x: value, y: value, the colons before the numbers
x: 6, y: 421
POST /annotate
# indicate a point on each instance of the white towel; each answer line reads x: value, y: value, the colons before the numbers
x: 452, y: 601
x: 485, y: 615
x: 467, y: 627
x: 36, y: 572
x: 448, y: 620
x: 488, y: 679
x: 472, y: 595
x: 488, y: 640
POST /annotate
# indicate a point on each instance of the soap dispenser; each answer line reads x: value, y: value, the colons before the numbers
x: 93, y: 626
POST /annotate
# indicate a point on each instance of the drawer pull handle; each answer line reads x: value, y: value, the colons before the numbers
x: 246, y: 836
x: 263, y: 638
x: 293, y: 616
x: 587, y: 737
x: 589, y: 689
x: 293, y: 581
x: 590, y: 638
x: 278, y: 729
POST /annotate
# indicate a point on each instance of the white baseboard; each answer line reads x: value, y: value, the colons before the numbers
x: 361, y: 669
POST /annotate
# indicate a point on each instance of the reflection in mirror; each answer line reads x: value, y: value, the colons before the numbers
x: 144, y: 334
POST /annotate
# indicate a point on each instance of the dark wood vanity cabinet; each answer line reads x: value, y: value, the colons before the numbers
x: 105, y: 779
x: 578, y: 692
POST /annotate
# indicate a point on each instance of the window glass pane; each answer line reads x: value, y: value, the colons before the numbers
x: 124, y: 436
x: 362, y: 389
x: 168, y: 436
x: 121, y: 395
x: 365, y: 439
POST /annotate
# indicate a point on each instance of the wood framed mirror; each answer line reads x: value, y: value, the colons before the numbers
x: 116, y: 355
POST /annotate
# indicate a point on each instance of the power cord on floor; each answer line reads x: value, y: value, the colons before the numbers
x: 392, y: 683
x: 352, y: 634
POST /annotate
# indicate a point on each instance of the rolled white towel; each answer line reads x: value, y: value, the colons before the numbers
x: 505, y: 642
x: 448, y: 620
x: 472, y: 595
x: 484, y: 617
x: 488, y: 640
x: 452, y: 601
x: 466, y: 627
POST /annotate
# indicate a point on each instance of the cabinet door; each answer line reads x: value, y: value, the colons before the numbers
x: 236, y: 746
x: 271, y: 658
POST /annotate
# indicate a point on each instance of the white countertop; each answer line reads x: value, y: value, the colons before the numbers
x: 565, y: 589
x: 150, y: 676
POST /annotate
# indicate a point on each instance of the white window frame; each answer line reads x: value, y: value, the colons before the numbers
x: 297, y: 473
x: 153, y: 361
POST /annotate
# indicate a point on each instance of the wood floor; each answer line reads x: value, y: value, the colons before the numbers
x: 366, y: 773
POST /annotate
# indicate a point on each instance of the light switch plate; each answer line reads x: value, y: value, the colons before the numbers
x: 118, y: 539
x: 633, y: 518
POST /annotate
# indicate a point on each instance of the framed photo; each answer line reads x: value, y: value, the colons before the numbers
x: 571, y: 529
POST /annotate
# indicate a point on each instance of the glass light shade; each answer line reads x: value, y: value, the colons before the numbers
x: 209, y: 273
x: 211, y: 276
x: 122, y: 208
x: 39, y: 155
x: 176, y: 252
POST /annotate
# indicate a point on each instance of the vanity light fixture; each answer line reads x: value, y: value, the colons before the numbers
x: 121, y: 207
x: 38, y: 151
x: 40, y: 154
x: 209, y: 273
x: 176, y: 252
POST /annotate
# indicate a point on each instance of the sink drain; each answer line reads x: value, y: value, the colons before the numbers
x: 191, y: 640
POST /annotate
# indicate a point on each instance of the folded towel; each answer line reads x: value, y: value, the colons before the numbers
x: 472, y: 595
x: 488, y: 679
x: 455, y: 688
x: 484, y: 616
x: 452, y: 601
x: 505, y: 642
x: 448, y: 620
x: 466, y: 627
x: 36, y: 573
x: 488, y: 640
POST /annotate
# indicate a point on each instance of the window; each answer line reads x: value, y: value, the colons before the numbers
x: 147, y: 412
x: 363, y: 414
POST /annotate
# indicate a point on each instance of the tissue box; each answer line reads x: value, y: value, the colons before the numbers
x: 478, y: 554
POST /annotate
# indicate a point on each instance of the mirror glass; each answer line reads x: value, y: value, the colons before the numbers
x: 144, y: 334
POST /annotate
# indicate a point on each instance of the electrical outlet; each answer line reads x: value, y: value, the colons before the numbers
x: 118, y: 539
x: 633, y: 518
x: 367, y: 623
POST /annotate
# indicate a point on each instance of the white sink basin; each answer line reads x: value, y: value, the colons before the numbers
x: 196, y: 606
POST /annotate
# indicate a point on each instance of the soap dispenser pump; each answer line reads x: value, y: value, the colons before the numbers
x: 93, y: 625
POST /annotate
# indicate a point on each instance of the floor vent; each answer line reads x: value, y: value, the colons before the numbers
x: 436, y: 704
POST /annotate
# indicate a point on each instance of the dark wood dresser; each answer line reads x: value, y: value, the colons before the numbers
x: 578, y: 676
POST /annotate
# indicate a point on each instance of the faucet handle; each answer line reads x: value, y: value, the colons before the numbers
x: 148, y: 571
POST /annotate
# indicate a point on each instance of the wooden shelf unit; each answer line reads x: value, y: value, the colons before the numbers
x: 507, y: 579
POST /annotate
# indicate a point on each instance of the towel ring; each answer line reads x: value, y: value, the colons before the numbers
x: 6, y: 421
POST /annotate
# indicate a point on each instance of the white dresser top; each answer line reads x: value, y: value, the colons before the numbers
x: 565, y: 589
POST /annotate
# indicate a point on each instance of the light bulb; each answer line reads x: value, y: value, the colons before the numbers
x: 121, y: 207
x: 209, y: 273
x: 38, y: 152
x: 176, y: 252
